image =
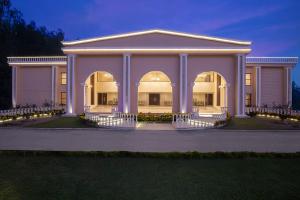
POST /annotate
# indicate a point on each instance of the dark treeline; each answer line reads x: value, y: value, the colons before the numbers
x: 296, y: 96
x: 18, y: 38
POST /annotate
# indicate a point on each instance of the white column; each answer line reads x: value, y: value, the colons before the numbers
x: 86, y: 99
x: 14, y: 86
x: 240, y: 85
x: 70, y: 85
x: 258, y: 86
x: 288, y: 86
x: 183, y: 83
x: 225, y: 87
x: 126, y: 83
x: 53, y: 85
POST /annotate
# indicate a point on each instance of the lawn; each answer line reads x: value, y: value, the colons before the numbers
x: 92, y: 177
x: 259, y: 123
x: 62, y: 122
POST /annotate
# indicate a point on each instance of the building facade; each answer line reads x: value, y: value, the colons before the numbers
x: 153, y: 71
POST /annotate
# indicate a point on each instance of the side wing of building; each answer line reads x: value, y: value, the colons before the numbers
x: 38, y: 80
x: 268, y: 81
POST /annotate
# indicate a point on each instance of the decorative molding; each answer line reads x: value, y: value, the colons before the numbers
x: 62, y: 60
x: 66, y: 43
x: 155, y: 50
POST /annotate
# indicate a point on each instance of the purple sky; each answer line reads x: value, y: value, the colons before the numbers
x: 272, y: 25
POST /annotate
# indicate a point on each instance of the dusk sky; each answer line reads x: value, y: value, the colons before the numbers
x: 272, y: 25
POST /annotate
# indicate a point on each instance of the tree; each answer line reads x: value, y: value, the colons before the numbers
x: 18, y: 38
x: 296, y: 96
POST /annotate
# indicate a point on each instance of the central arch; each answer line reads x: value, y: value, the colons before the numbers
x: 155, y: 93
x: 210, y: 93
x: 101, y: 93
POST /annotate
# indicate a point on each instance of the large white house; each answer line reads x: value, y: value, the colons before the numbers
x: 155, y: 71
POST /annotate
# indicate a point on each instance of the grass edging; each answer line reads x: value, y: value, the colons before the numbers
x: 122, y: 154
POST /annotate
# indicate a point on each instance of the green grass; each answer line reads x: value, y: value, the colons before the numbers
x: 259, y: 123
x: 62, y: 122
x: 30, y: 176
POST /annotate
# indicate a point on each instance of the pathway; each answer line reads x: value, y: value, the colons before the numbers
x: 148, y: 140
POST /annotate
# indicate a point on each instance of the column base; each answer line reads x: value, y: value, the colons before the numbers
x: 70, y: 115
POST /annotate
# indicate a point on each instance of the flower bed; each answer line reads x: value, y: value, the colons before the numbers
x: 17, y: 114
x: 274, y: 116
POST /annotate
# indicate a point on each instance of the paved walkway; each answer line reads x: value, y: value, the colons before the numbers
x: 148, y: 141
x: 154, y: 126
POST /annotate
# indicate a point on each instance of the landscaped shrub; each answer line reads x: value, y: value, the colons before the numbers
x: 151, y: 117
x: 283, y: 116
x: 252, y: 114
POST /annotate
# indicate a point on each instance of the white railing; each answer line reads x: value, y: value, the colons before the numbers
x: 270, y: 110
x: 117, y: 120
x: 195, y: 120
x: 272, y: 60
x: 31, y: 110
x: 189, y: 121
x: 38, y: 59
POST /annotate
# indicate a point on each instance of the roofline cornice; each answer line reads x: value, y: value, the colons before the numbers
x: 74, y: 42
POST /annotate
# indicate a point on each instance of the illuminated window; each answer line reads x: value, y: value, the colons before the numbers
x: 63, y: 98
x: 63, y: 78
x: 248, y: 79
x: 248, y: 99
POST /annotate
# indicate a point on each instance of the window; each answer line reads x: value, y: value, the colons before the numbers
x: 63, y: 78
x: 63, y: 98
x: 248, y: 79
x: 248, y: 99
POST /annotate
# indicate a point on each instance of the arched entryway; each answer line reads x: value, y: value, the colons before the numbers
x: 209, y: 93
x: 155, y: 93
x: 101, y: 93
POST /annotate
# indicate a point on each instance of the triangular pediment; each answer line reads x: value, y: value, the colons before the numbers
x: 156, y: 39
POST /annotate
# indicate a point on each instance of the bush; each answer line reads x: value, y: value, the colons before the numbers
x: 151, y: 117
x: 252, y: 114
x: 283, y: 117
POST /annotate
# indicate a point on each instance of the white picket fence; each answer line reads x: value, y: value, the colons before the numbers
x: 284, y: 111
x: 24, y: 111
x: 116, y: 120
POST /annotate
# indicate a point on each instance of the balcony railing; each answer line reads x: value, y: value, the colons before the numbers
x: 42, y: 59
x: 272, y: 60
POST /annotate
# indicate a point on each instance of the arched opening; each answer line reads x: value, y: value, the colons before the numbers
x: 209, y: 93
x: 155, y: 93
x: 101, y: 93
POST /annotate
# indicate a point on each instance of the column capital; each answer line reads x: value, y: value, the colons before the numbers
x: 183, y: 54
x: 126, y: 54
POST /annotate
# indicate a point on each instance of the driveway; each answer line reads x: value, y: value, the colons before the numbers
x: 148, y: 141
